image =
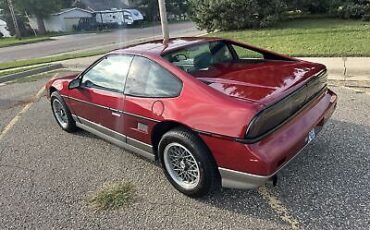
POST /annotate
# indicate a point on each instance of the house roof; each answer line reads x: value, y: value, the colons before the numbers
x: 99, y: 5
x: 63, y: 11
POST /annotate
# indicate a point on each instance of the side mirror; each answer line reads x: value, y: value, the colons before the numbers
x: 74, y: 84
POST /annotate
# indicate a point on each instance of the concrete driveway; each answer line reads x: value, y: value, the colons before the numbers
x: 47, y: 174
x: 76, y: 42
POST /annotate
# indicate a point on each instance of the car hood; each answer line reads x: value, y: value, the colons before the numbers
x: 68, y: 76
x: 60, y: 82
x: 261, y: 82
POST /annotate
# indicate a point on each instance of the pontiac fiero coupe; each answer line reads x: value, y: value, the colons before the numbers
x: 212, y: 111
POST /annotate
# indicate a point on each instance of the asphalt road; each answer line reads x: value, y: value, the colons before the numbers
x: 47, y: 174
x: 76, y: 42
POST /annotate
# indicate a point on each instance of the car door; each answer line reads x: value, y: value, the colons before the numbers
x: 98, y: 102
x: 148, y: 88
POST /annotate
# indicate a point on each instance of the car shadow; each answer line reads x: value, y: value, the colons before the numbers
x: 330, y: 174
x: 328, y: 180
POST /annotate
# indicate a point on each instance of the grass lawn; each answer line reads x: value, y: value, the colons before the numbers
x: 20, y: 70
x: 319, y: 37
x: 4, y: 42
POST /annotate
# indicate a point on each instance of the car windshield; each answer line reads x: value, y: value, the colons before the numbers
x: 200, y: 57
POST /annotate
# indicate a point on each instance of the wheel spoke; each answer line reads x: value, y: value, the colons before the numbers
x: 192, y: 176
x: 193, y: 170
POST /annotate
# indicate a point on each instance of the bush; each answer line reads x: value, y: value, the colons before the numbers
x: 352, y: 9
x: 236, y: 14
x: 310, y: 6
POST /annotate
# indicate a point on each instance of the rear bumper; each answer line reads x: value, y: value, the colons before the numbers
x: 248, y: 166
x: 241, y: 180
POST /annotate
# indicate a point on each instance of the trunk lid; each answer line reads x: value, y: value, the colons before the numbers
x: 262, y: 82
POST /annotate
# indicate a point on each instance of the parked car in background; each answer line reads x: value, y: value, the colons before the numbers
x: 212, y: 111
x: 88, y: 24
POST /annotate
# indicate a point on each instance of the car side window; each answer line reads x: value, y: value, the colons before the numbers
x: 109, y: 74
x: 148, y: 79
x: 244, y: 53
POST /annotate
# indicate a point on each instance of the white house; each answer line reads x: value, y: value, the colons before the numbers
x: 64, y: 20
x: 3, y: 29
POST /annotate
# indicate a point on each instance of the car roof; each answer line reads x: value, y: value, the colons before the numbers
x: 157, y: 47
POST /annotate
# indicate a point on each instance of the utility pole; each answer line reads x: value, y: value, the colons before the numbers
x: 164, y: 22
x: 11, y: 8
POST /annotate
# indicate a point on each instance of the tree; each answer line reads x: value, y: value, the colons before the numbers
x: 22, y: 21
x: 72, y: 3
x: 150, y: 8
x: 66, y: 3
x: 40, y: 9
x: 236, y: 14
x: 310, y: 6
x: 178, y: 8
x: 351, y: 9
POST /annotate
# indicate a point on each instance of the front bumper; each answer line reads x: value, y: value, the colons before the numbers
x: 248, y: 166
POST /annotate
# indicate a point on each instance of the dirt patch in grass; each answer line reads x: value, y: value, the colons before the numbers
x: 113, y: 195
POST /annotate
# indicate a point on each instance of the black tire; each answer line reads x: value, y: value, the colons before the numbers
x: 69, y: 125
x: 209, y: 178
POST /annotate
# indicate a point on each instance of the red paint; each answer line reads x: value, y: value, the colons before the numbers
x: 263, y: 157
x: 221, y: 101
x: 257, y: 82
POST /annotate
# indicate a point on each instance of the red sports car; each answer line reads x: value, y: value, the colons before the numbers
x: 212, y: 111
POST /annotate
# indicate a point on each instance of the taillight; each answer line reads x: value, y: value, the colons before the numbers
x: 276, y: 114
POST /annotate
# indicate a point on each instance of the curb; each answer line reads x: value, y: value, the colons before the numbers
x: 349, y: 83
x: 31, y: 72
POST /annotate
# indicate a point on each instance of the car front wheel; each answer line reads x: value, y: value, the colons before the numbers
x: 61, y: 113
x: 187, y: 163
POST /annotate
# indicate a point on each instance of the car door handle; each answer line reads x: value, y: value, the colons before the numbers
x: 116, y: 114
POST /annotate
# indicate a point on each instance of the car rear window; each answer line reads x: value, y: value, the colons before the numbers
x: 200, y: 57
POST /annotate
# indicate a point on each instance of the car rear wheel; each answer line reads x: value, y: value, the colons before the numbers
x: 61, y: 113
x: 187, y: 163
